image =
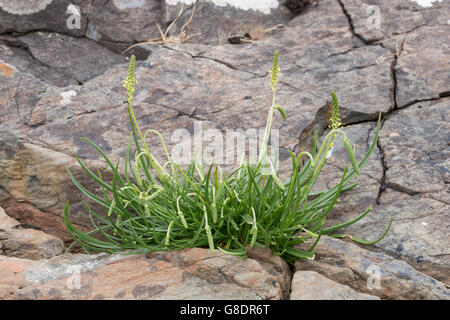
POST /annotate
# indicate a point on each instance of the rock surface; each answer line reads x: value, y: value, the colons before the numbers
x: 190, y: 87
x: 12, y: 276
x: 366, y: 192
x: 187, y: 274
x: 310, y: 285
x: 16, y: 241
x: 410, y: 31
x: 398, y: 17
x: 428, y: 80
x: 30, y: 173
x: 78, y: 59
x: 212, y: 24
x: 373, y: 273
x: 49, y: 98
x: 15, y: 58
x: 118, y: 24
x: 59, y: 16
x: 414, y: 144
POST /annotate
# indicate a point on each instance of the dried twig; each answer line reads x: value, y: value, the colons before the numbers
x: 163, y: 38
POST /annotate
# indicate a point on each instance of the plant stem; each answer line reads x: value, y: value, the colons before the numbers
x: 268, y: 128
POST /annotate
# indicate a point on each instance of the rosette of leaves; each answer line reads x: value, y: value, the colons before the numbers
x: 154, y: 207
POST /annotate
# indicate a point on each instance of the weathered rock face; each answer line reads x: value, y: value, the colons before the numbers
x: 428, y: 79
x: 410, y: 31
x: 19, y: 92
x: 377, y: 20
x: 371, y: 272
x: 180, y: 86
x: 19, y: 242
x: 315, y: 59
x: 12, y: 275
x: 118, y: 24
x: 16, y: 59
x: 49, y: 98
x: 414, y: 143
x: 62, y: 16
x: 416, y: 140
x: 187, y: 274
x: 213, y: 24
x: 78, y: 59
x: 273, y: 265
x: 32, y: 174
x: 24, y: 7
x: 310, y: 285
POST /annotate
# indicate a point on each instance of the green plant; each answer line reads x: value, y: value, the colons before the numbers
x: 154, y: 207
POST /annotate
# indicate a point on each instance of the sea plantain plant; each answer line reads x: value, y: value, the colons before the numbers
x: 154, y: 207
